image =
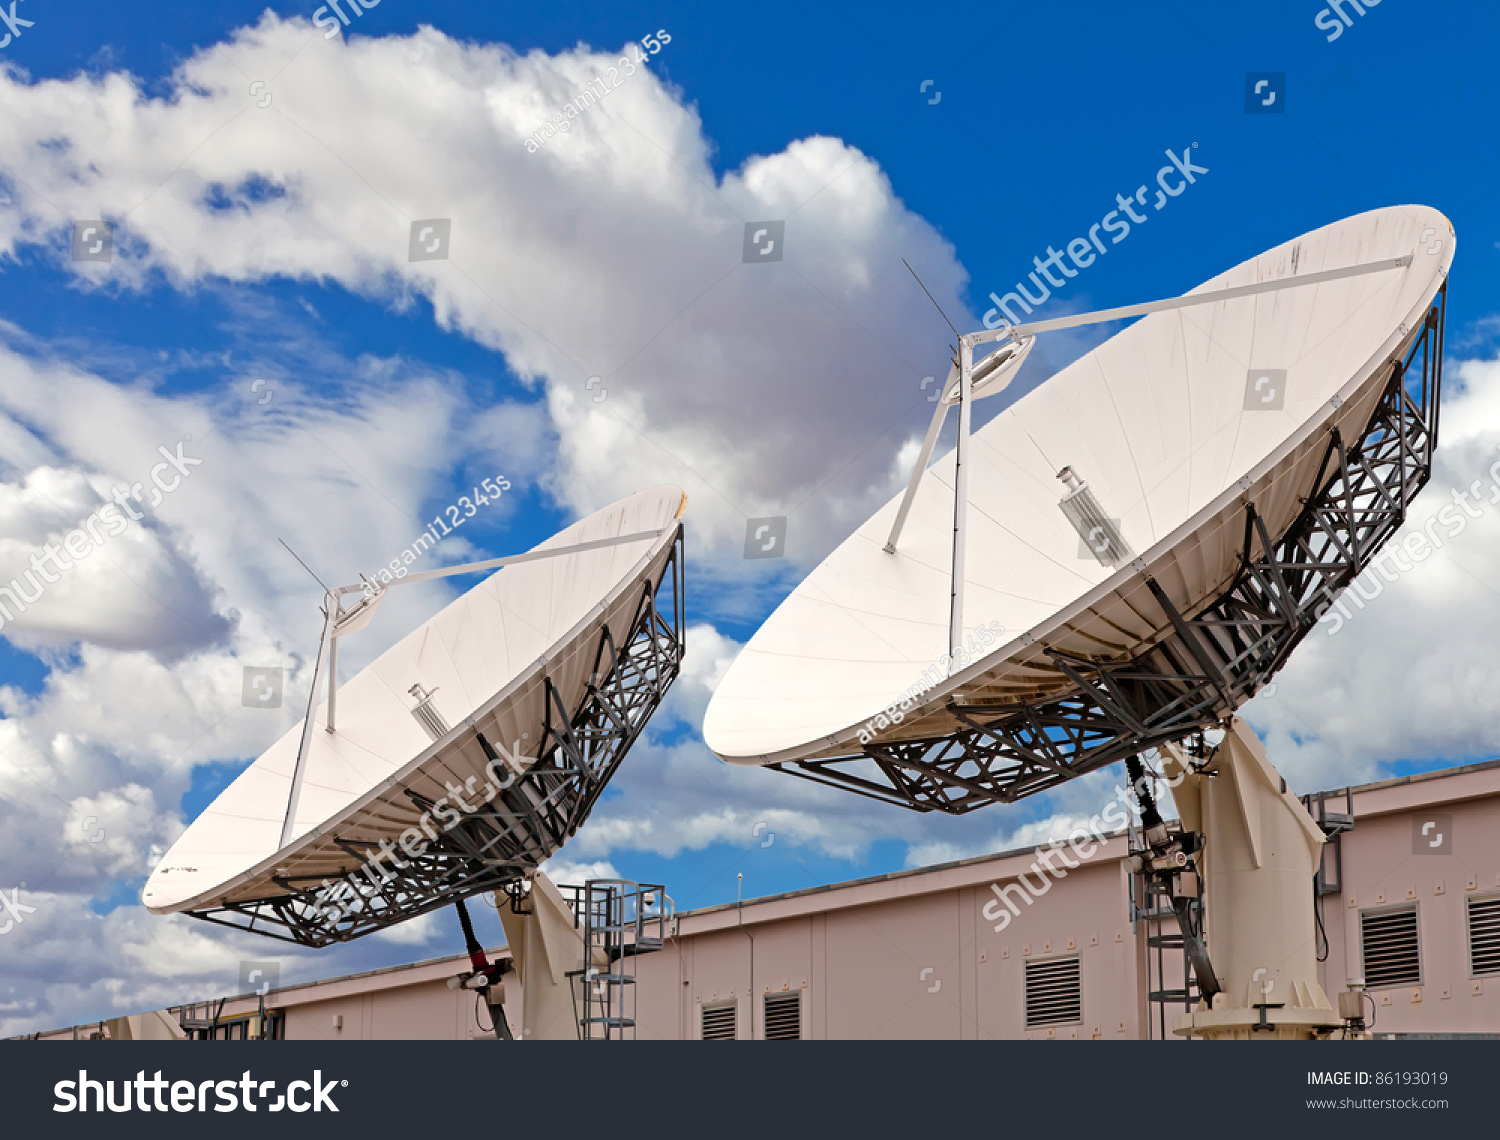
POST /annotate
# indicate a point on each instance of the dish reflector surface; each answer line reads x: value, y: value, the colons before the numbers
x: 1166, y: 423
x: 490, y: 656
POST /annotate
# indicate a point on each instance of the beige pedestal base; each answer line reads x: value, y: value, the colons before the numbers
x: 1307, y: 1016
x: 1261, y: 848
x: 545, y: 946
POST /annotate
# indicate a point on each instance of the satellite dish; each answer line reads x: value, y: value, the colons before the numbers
x: 1129, y: 551
x: 463, y: 756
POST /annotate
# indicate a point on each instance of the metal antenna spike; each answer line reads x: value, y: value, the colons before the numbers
x: 304, y: 565
x: 930, y: 297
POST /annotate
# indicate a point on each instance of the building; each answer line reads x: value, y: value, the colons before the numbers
x: 1409, y: 899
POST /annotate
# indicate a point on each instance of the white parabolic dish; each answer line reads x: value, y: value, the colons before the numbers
x: 1155, y: 420
x: 485, y: 653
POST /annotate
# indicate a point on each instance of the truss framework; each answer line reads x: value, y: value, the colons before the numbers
x: 1207, y: 665
x: 505, y: 839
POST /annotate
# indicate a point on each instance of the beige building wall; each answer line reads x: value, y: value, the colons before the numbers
x: 905, y: 956
x: 1389, y: 863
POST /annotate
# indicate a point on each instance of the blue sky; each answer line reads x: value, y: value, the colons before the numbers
x: 1037, y: 115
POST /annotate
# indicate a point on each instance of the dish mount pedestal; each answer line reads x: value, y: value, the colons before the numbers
x: 1256, y: 851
